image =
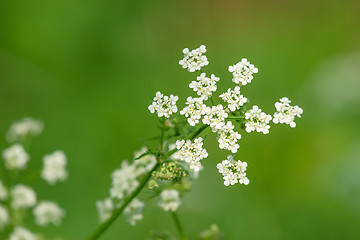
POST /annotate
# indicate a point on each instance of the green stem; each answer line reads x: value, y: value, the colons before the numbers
x: 102, y: 227
x: 235, y: 117
x: 178, y: 226
x: 212, y: 101
x: 105, y: 225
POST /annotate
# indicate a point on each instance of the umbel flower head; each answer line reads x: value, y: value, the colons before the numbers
x: 194, y: 60
x: 256, y: 120
x: 15, y: 157
x: 233, y: 171
x: 191, y: 152
x: 21, y: 233
x: 19, y: 130
x: 194, y: 110
x: 243, y: 72
x: 205, y: 86
x: 286, y: 113
x: 234, y: 99
x: 22, y: 197
x: 54, y: 169
x: 47, y: 212
x: 164, y: 105
x: 170, y: 200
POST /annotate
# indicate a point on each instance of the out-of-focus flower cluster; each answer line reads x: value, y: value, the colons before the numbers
x: 16, y: 199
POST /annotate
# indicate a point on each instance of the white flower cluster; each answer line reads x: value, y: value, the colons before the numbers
x: 22, y: 197
x: 170, y: 200
x: 194, y: 60
x: 164, y: 105
x: 194, y: 110
x: 124, y: 182
x: 205, y: 86
x: 21, y: 233
x: 215, y: 117
x: 191, y: 152
x: 234, y: 99
x: 105, y: 209
x: 133, y: 211
x: 233, y: 171
x: 47, y: 212
x: 286, y: 113
x: 23, y: 128
x: 243, y: 72
x: 256, y: 120
x: 4, y: 217
x: 54, y: 169
x: 15, y: 157
x: 228, y: 138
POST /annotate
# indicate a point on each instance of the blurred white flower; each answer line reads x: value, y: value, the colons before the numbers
x: 133, y: 211
x: 145, y: 163
x: 124, y: 180
x: 194, y: 110
x: 194, y: 60
x: 3, y: 192
x: 105, y: 209
x: 164, y: 105
x: 4, y: 217
x: 256, y: 120
x: 242, y: 72
x: 234, y: 99
x: 54, y: 169
x: 286, y: 113
x: 205, y: 86
x: 170, y: 200
x: 233, y: 171
x: 15, y: 157
x: 215, y: 117
x: 23, y: 128
x: 22, y: 197
x: 47, y: 212
x: 191, y: 152
x: 21, y: 233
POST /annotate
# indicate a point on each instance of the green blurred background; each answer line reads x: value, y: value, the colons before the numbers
x: 89, y: 69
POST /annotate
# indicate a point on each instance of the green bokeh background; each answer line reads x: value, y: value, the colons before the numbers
x: 89, y: 69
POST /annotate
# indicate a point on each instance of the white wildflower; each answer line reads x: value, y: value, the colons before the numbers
x: 22, y: 197
x: 233, y: 171
x: 21, y: 233
x: 123, y: 180
x: 194, y: 60
x: 145, y: 163
x: 23, y: 128
x: 54, y: 169
x: 15, y: 157
x: 170, y: 200
x: 133, y: 211
x: 286, y: 113
x: 242, y: 72
x: 164, y: 105
x: 205, y: 86
x: 256, y: 120
x: 47, y: 212
x: 194, y: 110
x: 3, y: 192
x: 215, y: 117
x: 228, y: 138
x: 105, y: 209
x: 234, y: 99
x: 4, y: 217
x: 191, y: 152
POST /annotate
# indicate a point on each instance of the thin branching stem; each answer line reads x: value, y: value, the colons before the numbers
x: 178, y: 226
